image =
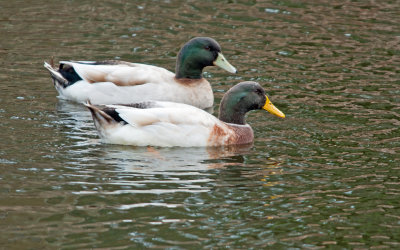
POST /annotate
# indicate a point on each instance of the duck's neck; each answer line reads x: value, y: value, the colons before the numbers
x: 232, y: 113
x: 188, y: 65
x: 187, y: 69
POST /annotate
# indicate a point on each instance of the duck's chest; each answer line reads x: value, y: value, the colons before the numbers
x: 230, y: 134
x: 196, y: 93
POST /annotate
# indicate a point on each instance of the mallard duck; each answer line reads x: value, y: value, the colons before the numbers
x: 112, y: 81
x: 168, y: 124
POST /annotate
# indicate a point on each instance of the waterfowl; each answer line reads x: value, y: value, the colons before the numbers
x: 112, y: 81
x: 168, y: 124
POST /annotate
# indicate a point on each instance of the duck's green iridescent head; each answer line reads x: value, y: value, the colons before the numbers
x: 197, y: 54
x: 242, y: 98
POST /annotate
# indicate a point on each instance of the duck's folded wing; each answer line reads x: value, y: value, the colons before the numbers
x: 120, y: 73
x: 177, y: 114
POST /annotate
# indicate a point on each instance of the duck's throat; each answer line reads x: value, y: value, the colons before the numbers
x: 232, y: 116
x: 188, y: 71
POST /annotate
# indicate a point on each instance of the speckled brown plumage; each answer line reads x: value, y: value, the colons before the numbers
x: 230, y: 134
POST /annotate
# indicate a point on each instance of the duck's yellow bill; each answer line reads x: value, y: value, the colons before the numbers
x: 224, y: 64
x: 272, y: 109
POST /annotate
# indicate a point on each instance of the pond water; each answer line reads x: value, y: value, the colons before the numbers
x: 327, y: 176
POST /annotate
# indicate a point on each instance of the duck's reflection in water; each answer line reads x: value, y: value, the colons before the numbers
x: 177, y: 158
x: 140, y: 170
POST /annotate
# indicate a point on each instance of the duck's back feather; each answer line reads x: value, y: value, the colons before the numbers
x: 119, y: 73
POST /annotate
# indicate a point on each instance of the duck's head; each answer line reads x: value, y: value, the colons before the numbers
x: 242, y: 98
x: 198, y: 53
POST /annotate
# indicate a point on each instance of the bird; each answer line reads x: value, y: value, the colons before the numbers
x: 169, y: 124
x: 114, y: 81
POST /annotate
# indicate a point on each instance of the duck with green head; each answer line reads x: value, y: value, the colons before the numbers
x: 168, y: 124
x: 112, y: 81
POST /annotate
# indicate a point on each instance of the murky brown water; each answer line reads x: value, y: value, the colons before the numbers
x: 325, y: 177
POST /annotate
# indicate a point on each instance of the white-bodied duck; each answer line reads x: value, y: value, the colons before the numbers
x: 168, y: 124
x: 110, y: 82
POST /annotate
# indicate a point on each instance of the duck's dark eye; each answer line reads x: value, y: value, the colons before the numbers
x: 259, y: 91
x: 207, y: 48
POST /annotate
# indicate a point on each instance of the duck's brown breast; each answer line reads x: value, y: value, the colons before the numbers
x: 229, y: 134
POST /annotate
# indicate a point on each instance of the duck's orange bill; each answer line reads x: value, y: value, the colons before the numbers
x: 272, y: 109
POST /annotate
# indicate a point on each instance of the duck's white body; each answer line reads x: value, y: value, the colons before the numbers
x: 166, y: 124
x: 126, y: 83
x: 119, y: 82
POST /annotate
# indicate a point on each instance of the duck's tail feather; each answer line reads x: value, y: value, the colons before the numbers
x: 100, y: 117
x: 58, y: 79
x: 104, y: 117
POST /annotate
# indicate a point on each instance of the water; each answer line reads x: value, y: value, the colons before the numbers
x: 327, y: 176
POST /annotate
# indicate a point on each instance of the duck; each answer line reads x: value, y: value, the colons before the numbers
x: 114, y: 81
x: 169, y: 124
